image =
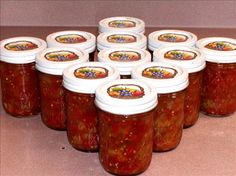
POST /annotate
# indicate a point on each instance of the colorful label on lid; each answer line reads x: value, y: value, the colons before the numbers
x: 125, y: 56
x: 121, y: 38
x: 180, y: 55
x: 172, y: 37
x: 91, y: 72
x: 20, y: 46
x: 70, y: 38
x: 121, y: 24
x: 159, y: 72
x: 221, y: 46
x: 61, y: 56
x: 126, y: 91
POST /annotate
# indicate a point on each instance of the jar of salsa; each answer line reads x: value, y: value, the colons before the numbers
x: 125, y: 112
x: 218, y: 96
x: 121, y: 23
x: 50, y: 64
x: 193, y: 61
x: 163, y: 38
x: 19, y: 83
x: 115, y: 39
x: 80, y: 82
x: 124, y: 59
x: 74, y: 39
x: 170, y: 82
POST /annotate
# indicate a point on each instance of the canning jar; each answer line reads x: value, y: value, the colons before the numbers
x: 193, y: 61
x: 170, y: 82
x: 125, y: 112
x: 124, y: 59
x: 19, y: 83
x: 74, y: 39
x: 218, y: 97
x: 163, y: 38
x: 121, y: 23
x: 80, y: 82
x: 121, y: 39
x: 50, y: 64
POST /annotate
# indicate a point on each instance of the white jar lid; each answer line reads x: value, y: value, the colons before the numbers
x: 75, y: 39
x: 121, y: 23
x: 54, y: 60
x: 186, y: 57
x: 166, y: 78
x: 124, y: 58
x: 126, y: 97
x: 21, y: 50
x: 86, y: 77
x: 162, y: 38
x: 121, y: 39
x: 218, y: 49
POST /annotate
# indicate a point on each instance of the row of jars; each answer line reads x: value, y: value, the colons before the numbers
x: 101, y: 111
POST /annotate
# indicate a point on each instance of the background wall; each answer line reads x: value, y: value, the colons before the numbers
x: 159, y: 13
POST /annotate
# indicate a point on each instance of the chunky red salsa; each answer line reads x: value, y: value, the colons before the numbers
x: 81, y: 121
x: 52, y: 102
x: 192, y: 99
x: 218, y: 96
x: 20, y: 96
x: 126, y: 142
x: 168, y: 121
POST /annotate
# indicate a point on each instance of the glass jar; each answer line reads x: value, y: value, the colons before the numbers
x: 193, y: 61
x: 125, y: 112
x: 123, y: 39
x: 80, y: 82
x: 74, y: 39
x: 19, y: 84
x: 121, y: 23
x: 218, y: 96
x: 164, y: 38
x: 50, y: 64
x: 124, y: 59
x: 170, y: 82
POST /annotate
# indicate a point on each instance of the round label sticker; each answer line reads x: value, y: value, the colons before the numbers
x: 159, y: 72
x: 61, y: 56
x: 221, y: 46
x: 121, y: 24
x: 180, y: 55
x: 172, y: 37
x: 20, y: 46
x: 124, y: 56
x: 121, y: 38
x: 91, y: 72
x: 71, y: 38
x: 126, y: 91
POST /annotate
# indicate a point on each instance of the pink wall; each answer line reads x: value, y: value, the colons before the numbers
x: 159, y: 13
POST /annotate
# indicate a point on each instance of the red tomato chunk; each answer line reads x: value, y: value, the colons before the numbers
x: 81, y: 121
x: 20, y: 94
x: 52, y: 101
x: 218, y: 97
x: 125, y: 142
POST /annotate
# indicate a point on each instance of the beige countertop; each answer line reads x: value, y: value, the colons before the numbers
x: 29, y: 148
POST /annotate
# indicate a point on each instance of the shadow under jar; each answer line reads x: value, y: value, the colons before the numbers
x: 218, y: 96
x: 19, y: 84
x: 50, y: 65
x: 125, y: 113
x: 193, y: 61
x: 80, y: 82
x: 80, y: 40
x: 170, y: 82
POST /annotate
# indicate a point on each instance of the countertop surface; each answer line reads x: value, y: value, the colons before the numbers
x: 29, y: 148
